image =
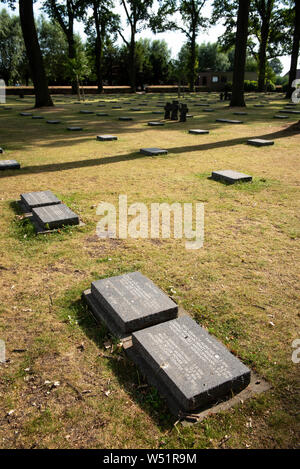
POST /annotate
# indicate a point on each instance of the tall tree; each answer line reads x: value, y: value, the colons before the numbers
x: 267, y: 32
x: 295, y: 49
x: 35, y: 59
x: 137, y: 14
x: 237, y: 98
x: 265, y: 10
x: 190, y: 23
x: 11, y: 47
x: 65, y: 13
x: 99, y: 25
x: 54, y: 48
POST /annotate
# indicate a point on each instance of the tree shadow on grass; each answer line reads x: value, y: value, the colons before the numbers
x: 48, y: 168
x: 124, y: 369
x: 52, y: 167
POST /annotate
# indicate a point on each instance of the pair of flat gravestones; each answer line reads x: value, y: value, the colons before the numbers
x: 190, y: 368
x: 47, y: 211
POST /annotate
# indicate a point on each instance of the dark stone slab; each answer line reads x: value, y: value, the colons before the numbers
x: 135, y: 109
x: 25, y: 114
x: 240, y: 113
x: 189, y: 364
x: 102, y: 114
x: 101, y: 316
x: 9, y: 164
x: 229, y: 121
x: 208, y: 110
x: 53, y: 122
x: 38, y: 117
x: 198, y: 131
x: 74, y: 129
x: 106, y: 138
x: 32, y: 200
x: 157, y: 112
x: 125, y: 119
x: 133, y: 302
x: 153, y: 151
x: 230, y: 176
x: 280, y: 117
x: 54, y: 216
x: 259, y: 105
x: 259, y: 142
x: 155, y: 124
x: 287, y: 111
x: 86, y: 112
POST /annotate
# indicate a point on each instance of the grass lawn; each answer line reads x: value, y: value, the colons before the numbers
x: 67, y: 383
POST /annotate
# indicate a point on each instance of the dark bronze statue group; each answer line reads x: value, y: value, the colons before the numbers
x: 172, y: 109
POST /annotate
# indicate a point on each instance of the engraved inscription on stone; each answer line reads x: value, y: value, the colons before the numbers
x: 55, y: 216
x: 194, y: 366
x: 133, y: 301
x: 39, y: 199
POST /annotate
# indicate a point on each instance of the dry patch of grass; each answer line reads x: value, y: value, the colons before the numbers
x: 61, y: 387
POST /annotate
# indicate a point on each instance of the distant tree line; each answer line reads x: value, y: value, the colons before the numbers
x: 46, y: 50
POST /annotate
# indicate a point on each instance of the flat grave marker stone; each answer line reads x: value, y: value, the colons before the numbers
x: 187, y: 364
x: 106, y: 138
x: 125, y: 119
x: 54, y: 216
x: 9, y: 164
x: 155, y: 124
x: 32, y: 200
x: 38, y: 117
x: 153, y: 151
x: 25, y: 114
x: 132, y: 302
x: 86, y: 112
x: 74, y: 129
x: 287, y: 111
x: 229, y: 176
x: 259, y: 142
x: 198, y: 131
x: 229, y: 121
x: 53, y: 122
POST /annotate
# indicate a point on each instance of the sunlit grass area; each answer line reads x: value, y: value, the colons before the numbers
x: 62, y: 386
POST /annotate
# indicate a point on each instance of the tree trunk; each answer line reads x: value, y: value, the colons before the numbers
x: 295, y: 50
x: 72, y: 55
x: 132, y: 70
x: 98, y: 51
x: 262, y: 56
x: 35, y: 59
x: 237, y: 98
x: 192, y: 62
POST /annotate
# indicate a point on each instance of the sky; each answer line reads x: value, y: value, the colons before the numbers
x: 173, y: 39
